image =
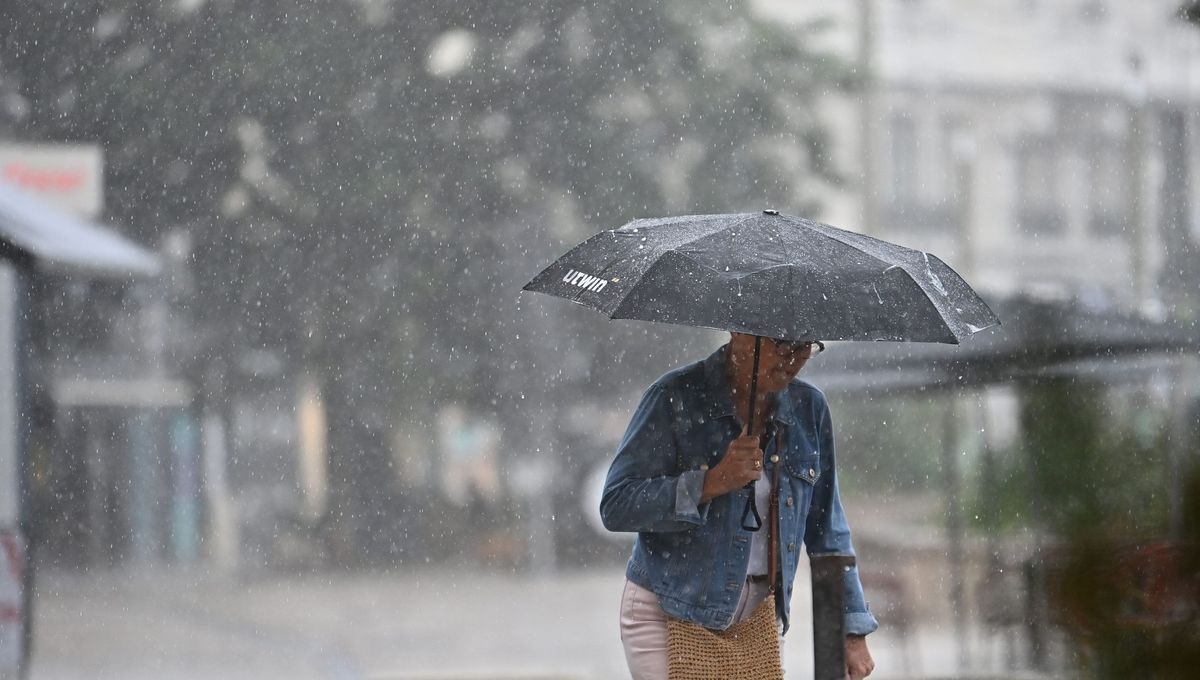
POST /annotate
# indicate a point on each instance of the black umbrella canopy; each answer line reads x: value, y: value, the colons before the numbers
x: 767, y: 274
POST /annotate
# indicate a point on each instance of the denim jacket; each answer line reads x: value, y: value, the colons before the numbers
x: 694, y: 556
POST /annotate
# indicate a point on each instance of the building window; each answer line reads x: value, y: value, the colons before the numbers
x: 1038, y: 209
x: 910, y: 184
x: 1108, y: 188
x: 903, y: 179
x: 958, y: 158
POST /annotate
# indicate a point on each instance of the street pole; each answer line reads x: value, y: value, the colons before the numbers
x: 954, y: 528
x: 1139, y: 121
x: 866, y: 132
x: 963, y: 149
x: 1179, y: 461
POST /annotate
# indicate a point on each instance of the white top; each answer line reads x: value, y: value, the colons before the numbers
x: 762, y: 499
x: 758, y: 542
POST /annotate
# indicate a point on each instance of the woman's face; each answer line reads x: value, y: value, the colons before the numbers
x: 778, y: 362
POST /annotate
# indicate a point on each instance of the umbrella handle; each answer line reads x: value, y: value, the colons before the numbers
x: 751, y: 505
x: 754, y: 384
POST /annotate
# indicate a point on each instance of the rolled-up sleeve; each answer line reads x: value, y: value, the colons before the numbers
x: 643, y: 491
x: 829, y: 532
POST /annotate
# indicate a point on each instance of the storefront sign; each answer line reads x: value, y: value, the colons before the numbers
x: 67, y: 176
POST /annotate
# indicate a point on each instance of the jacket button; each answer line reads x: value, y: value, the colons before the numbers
x: 789, y: 501
x: 775, y: 458
x: 812, y: 472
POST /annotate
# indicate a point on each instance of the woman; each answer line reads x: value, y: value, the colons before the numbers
x: 678, y: 479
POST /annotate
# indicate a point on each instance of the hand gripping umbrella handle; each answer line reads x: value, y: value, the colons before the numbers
x: 751, y: 505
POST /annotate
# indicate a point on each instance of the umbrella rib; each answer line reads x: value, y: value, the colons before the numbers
x: 675, y: 250
x: 634, y: 224
x: 824, y: 230
x: 943, y: 309
x: 711, y: 268
x: 831, y: 233
x: 746, y: 217
x: 632, y: 288
x: 941, y: 314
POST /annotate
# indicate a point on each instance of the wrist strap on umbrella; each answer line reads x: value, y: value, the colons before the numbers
x: 752, y: 505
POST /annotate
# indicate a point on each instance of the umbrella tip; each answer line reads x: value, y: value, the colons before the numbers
x: 769, y: 211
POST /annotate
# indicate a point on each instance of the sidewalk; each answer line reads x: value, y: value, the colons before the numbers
x: 426, y: 624
x: 434, y: 624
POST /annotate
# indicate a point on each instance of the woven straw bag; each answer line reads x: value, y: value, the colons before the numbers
x: 747, y: 650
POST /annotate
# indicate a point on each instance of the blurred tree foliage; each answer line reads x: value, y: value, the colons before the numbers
x: 1093, y: 477
x: 1190, y: 11
x: 888, y: 442
x: 1134, y: 604
x: 367, y: 183
x: 1080, y: 468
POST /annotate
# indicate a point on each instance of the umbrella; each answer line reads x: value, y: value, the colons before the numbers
x: 767, y: 274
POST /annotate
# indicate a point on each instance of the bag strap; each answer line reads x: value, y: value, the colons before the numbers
x: 773, y: 524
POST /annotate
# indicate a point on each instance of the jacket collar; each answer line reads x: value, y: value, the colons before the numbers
x: 718, y: 399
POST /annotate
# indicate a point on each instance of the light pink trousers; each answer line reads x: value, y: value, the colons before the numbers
x: 644, y: 627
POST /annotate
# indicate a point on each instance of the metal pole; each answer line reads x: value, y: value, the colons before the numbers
x: 866, y: 131
x: 1139, y: 124
x: 144, y: 493
x: 954, y: 528
x: 1178, y: 459
x: 829, y: 615
x: 964, y: 172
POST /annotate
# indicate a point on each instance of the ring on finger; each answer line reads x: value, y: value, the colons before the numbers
x: 758, y: 465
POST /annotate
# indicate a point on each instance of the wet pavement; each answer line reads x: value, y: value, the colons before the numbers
x: 420, y: 624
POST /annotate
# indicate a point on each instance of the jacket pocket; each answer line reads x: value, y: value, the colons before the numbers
x: 804, y: 468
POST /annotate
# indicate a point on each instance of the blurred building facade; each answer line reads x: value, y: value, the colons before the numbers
x: 115, y: 450
x: 108, y: 451
x: 1038, y: 146
x: 1044, y: 147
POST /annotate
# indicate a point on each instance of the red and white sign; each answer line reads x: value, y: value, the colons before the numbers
x: 67, y: 176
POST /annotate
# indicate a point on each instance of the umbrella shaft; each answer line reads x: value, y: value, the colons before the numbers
x: 751, y: 509
x: 754, y: 384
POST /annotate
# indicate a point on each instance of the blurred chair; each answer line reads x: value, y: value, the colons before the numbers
x: 1001, y: 602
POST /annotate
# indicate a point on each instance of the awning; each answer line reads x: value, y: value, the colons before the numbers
x: 1037, y: 338
x: 56, y: 241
